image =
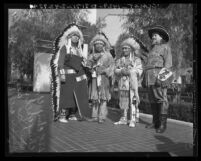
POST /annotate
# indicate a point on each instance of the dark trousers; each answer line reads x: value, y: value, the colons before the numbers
x: 158, y: 95
x: 71, y: 111
x: 159, y: 105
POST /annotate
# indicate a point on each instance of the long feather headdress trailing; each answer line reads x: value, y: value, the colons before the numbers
x: 60, y: 41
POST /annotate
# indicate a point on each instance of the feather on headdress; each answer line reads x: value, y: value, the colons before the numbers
x: 100, y: 36
x: 61, y: 39
x: 55, y: 79
x: 131, y: 42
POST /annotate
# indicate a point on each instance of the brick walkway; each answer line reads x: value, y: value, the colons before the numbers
x: 31, y: 130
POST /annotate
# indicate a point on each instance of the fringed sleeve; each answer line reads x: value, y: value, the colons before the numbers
x: 109, y: 71
x: 117, y: 68
x: 135, y: 73
x: 137, y: 67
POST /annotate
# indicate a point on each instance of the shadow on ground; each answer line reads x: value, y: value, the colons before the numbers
x: 30, y: 117
x: 144, y: 122
x: 114, y: 114
x: 185, y: 148
x: 38, y: 140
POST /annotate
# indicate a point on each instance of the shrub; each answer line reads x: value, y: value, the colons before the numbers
x: 182, y: 111
x: 180, y: 104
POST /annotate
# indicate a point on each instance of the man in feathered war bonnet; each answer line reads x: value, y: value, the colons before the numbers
x: 69, y: 81
x: 159, y: 58
x: 128, y: 70
x: 101, y: 63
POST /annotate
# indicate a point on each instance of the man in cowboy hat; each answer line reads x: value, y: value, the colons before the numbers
x: 68, y: 76
x: 128, y: 70
x: 101, y: 63
x: 159, y: 57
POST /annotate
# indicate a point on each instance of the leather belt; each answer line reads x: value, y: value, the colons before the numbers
x: 67, y: 71
x: 80, y: 78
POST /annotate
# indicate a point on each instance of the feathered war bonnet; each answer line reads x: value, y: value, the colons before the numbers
x: 131, y: 41
x: 55, y: 79
x: 67, y: 32
x: 100, y: 36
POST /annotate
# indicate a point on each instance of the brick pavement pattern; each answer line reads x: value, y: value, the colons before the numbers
x: 31, y: 129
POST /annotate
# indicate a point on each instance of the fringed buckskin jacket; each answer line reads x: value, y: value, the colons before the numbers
x: 104, y: 70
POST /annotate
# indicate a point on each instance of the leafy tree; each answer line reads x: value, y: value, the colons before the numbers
x: 89, y: 30
x: 177, y: 19
x: 100, y: 23
x: 27, y: 26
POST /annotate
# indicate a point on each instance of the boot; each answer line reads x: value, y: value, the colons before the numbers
x: 163, y: 123
x: 163, y: 107
x: 94, y: 119
x: 123, y: 120
x: 157, y: 117
x: 154, y: 109
x: 62, y: 117
x: 72, y: 113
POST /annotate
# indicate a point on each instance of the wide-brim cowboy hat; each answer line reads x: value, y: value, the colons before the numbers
x: 159, y: 30
x: 100, y: 36
x: 131, y: 42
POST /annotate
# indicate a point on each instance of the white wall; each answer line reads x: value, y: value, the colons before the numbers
x: 41, y: 80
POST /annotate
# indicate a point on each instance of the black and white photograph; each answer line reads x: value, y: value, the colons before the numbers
x: 104, y: 80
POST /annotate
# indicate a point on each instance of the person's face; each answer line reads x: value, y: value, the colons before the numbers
x: 96, y: 56
x: 126, y: 50
x: 99, y: 46
x: 156, y: 38
x: 74, y: 38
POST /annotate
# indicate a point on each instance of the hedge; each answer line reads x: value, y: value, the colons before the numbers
x: 182, y: 111
x: 180, y: 108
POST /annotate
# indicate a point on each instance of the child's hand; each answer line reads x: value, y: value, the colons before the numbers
x: 125, y: 71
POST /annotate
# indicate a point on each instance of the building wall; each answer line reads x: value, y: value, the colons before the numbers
x: 113, y: 23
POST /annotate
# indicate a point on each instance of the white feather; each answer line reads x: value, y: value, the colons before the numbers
x: 57, y: 78
x: 68, y: 32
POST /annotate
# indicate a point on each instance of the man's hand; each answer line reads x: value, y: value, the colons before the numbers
x: 125, y: 71
x: 85, y: 63
x: 99, y: 71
